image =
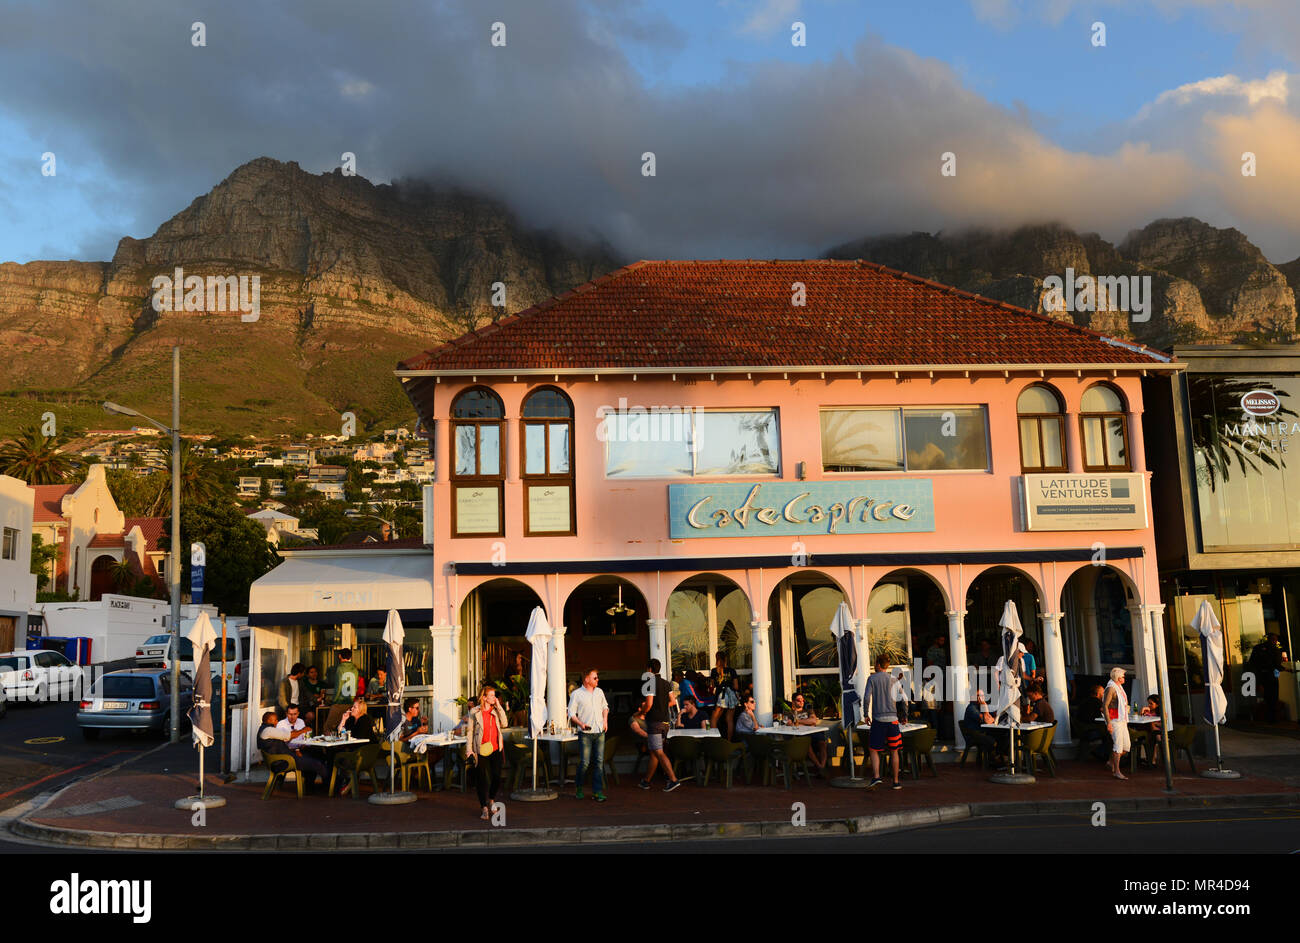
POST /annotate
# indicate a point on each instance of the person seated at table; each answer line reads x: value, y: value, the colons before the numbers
x: 1087, y: 726
x: 1152, y: 709
x: 359, y: 722
x: 273, y: 739
x: 636, y: 728
x: 293, y: 724
x: 685, y: 687
x: 746, y: 719
x: 977, y: 714
x: 1040, y: 708
x: 691, y: 717
x: 377, y: 687
x: 805, y: 716
x: 412, y: 722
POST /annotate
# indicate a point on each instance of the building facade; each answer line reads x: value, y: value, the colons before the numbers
x: 683, y: 458
x: 17, y: 582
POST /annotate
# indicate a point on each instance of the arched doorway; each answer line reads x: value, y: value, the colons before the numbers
x: 801, y: 608
x: 494, y: 617
x: 1099, y: 627
x: 606, y: 628
x: 707, y: 614
x: 985, y: 600
x: 101, y: 576
x: 909, y: 624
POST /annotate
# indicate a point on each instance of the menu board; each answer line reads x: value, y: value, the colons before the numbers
x: 548, y: 509
x: 478, y: 511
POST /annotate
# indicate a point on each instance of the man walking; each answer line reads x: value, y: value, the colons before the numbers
x: 655, y: 707
x: 346, y: 684
x: 880, y: 708
x: 589, y: 712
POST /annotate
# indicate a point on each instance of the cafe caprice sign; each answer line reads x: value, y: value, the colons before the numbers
x: 791, y: 509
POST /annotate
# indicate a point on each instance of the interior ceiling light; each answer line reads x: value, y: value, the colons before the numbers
x: 620, y: 609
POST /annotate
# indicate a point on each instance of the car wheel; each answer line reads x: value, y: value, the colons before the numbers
x: 40, y: 694
x: 90, y: 733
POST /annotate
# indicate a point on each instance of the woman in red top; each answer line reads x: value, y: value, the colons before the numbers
x: 483, y: 746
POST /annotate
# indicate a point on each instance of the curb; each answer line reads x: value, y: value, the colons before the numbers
x: 480, y: 838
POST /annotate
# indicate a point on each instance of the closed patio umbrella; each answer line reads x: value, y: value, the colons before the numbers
x: 538, y: 635
x: 852, y: 679
x: 201, y: 636
x: 1009, y: 695
x: 1216, y: 702
x: 394, y: 635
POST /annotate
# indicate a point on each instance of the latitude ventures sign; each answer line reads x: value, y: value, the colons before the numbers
x: 1085, y: 502
x: 892, y: 506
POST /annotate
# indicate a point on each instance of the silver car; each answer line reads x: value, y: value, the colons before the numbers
x: 133, y: 699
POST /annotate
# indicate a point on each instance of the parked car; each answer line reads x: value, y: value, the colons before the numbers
x: 239, y: 644
x: 4, y: 703
x: 133, y: 699
x: 39, y: 675
x: 152, y: 651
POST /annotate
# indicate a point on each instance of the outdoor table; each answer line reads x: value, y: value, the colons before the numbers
x: 694, y: 732
x: 325, y: 743
x: 908, y: 727
x: 564, y: 738
x: 1033, y: 725
x: 782, y: 730
x: 421, y: 743
x: 1136, y: 719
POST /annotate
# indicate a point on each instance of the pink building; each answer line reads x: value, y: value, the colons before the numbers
x: 682, y: 458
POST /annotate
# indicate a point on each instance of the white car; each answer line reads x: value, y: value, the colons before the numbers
x: 40, y: 675
x: 152, y: 651
x: 239, y: 644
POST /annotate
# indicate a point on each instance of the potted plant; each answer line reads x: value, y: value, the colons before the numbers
x: 514, y: 691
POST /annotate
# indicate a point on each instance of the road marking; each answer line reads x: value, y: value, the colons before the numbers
x: 34, y: 740
x: 61, y: 772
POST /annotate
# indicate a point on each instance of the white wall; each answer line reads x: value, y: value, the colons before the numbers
x: 17, y: 583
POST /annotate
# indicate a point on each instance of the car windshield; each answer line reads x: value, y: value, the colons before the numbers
x: 157, y: 640
x: 126, y: 686
x: 12, y: 664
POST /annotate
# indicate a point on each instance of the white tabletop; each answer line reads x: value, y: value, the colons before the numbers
x: 322, y: 742
x: 902, y: 728
x: 565, y: 737
x: 1032, y: 725
x: 782, y: 730
x: 421, y: 742
x: 694, y: 732
x: 1136, y: 719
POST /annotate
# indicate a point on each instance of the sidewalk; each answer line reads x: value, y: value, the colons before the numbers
x: 131, y: 806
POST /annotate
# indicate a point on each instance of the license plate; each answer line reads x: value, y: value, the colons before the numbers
x: 114, y: 705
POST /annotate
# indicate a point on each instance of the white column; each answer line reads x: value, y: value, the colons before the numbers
x: 864, y: 649
x: 762, y: 655
x: 1054, y: 665
x: 446, y: 677
x: 1144, y: 655
x: 1155, y: 622
x: 958, y: 688
x: 659, y: 646
x: 557, y: 697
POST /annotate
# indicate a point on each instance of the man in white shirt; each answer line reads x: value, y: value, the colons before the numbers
x: 589, y: 712
x: 282, y: 738
x: 294, y: 726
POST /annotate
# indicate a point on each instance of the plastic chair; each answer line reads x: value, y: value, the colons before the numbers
x: 407, y: 762
x: 453, y: 760
x: 1040, y: 746
x: 281, y: 765
x: 683, y: 752
x: 352, y: 764
x: 724, y: 753
x: 793, y: 752
x: 1028, y: 742
x: 1140, y: 742
x: 981, y: 751
x: 916, y: 747
x: 520, y: 755
x: 611, y: 748
x: 1181, y: 740
x: 758, y: 756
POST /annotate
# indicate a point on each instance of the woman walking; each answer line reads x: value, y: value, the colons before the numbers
x: 726, y: 691
x: 483, y: 746
x: 1114, y: 706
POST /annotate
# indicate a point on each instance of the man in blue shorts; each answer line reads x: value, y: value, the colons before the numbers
x: 880, y: 708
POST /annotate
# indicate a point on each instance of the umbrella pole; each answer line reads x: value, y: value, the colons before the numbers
x: 534, y: 762
x: 1218, y: 750
x: 201, y: 752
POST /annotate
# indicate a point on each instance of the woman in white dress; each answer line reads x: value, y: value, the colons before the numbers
x: 1114, y: 707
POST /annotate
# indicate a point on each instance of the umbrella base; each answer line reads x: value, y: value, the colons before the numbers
x: 845, y: 782
x: 534, y: 795
x: 1013, y: 779
x: 391, y: 798
x: 194, y: 803
x: 1220, y: 774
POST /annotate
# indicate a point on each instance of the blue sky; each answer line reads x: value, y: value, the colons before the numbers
x: 767, y: 149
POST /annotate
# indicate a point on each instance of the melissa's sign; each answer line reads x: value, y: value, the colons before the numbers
x: 1085, y: 502
x: 800, y: 508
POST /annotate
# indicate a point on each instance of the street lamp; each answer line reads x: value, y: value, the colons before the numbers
x: 174, y: 572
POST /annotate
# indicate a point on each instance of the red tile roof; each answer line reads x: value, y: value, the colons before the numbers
x: 403, y: 543
x: 107, y: 540
x: 150, y: 527
x: 738, y: 313
x: 49, y: 502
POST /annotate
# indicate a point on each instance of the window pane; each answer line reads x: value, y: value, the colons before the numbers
x: 465, y: 437
x: 1116, y: 448
x: 1093, y: 456
x: 559, y: 449
x: 939, y: 439
x: 1053, y: 451
x: 745, y: 443
x: 814, y: 608
x: 734, y: 636
x: 636, y: 448
x: 534, y: 449
x: 1029, y: 443
x: 476, y: 404
x: 547, y: 404
x: 688, y: 630
x: 861, y: 440
x: 1037, y: 399
x: 489, y: 438
x: 1100, y: 399
x: 888, y: 632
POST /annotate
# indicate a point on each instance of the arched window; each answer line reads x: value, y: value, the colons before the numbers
x: 1042, y: 430
x: 547, y: 460
x: 477, y: 478
x: 1103, y: 424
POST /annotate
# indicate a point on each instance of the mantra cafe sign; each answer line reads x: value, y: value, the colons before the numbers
x: 790, y: 509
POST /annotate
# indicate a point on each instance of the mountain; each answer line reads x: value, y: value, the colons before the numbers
x: 1207, y: 284
x: 353, y: 277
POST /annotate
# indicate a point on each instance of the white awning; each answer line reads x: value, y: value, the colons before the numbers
x: 348, y: 587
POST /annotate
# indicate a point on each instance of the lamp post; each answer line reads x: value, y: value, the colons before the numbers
x: 174, y: 571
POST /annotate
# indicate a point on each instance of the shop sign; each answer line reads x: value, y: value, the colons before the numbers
x: 1084, y: 502
x: 892, y: 506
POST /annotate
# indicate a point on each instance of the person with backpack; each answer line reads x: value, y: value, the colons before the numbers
x: 347, y: 685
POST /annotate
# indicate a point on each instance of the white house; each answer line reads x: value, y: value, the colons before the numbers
x: 17, y: 584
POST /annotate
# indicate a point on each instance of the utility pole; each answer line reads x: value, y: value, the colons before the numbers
x: 174, y: 573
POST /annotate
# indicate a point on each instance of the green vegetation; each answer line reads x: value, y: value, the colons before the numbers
x: 34, y: 457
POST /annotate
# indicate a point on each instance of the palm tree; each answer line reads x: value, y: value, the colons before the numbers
x: 199, y: 482
x: 123, y: 575
x: 35, y: 458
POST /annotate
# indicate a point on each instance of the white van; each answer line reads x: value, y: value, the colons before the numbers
x: 239, y: 646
